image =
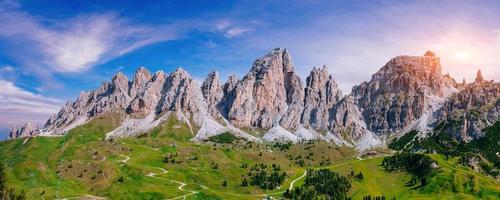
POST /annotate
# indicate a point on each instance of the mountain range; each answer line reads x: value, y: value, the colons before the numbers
x: 272, y: 103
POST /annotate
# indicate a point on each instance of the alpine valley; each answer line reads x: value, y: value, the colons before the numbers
x: 410, y: 132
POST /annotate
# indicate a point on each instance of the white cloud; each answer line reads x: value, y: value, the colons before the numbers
x: 77, y: 44
x: 7, y: 69
x: 235, y: 31
x: 18, y: 105
x: 229, y: 28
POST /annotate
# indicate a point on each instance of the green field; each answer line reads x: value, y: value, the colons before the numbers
x: 83, y: 163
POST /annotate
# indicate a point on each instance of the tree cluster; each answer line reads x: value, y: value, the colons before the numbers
x: 265, y: 178
x: 171, y: 158
x: 321, y: 183
x: 368, y: 197
x: 419, y: 165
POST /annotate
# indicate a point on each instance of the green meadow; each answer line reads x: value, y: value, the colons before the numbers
x: 165, y: 164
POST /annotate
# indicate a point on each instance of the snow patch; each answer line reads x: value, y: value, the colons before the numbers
x: 62, y: 131
x: 131, y: 126
x: 208, y: 129
x: 367, y: 141
x: 307, y: 134
x: 336, y: 140
x: 279, y: 134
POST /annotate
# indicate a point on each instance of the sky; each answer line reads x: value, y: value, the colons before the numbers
x: 52, y: 50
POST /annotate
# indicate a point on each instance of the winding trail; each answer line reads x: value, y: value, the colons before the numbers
x: 84, y: 196
x: 124, y: 160
x: 164, y: 171
x: 293, y: 182
x: 181, y: 184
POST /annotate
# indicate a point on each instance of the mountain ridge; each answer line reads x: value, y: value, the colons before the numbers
x: 407, y: 93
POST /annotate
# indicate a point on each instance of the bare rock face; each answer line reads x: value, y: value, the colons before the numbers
x: 401, y: 92
x: 321, y: 95
x: 228, y: 90
x: 110, y: 96
x: 183, y: 96
x: 141, y: 77
x: 230, y: 84
x: 13, y: 132
x: 271, y: 92
x: 213, y: 92
x: 408, y: 93
x: 28, y: 130
x: 347, y: 119
x: 472, y: 109
x: 147, y: 100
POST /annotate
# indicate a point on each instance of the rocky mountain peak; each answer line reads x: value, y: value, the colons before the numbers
x: 430, y: 54
x: 277, y: 59
x: 212, y: 91
x: 400, y: 93
x: 120, y: 83
x: 267, y: 92
x: 479, y: 77
x: 28, y: 130
x: 403, y: 95
x: 180, y: 73
x: 13, y: 132
x: 230, y: 83
x: 321, y: 95
x: 141, y: 77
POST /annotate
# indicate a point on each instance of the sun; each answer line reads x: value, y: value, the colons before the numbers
x: 462, y: 55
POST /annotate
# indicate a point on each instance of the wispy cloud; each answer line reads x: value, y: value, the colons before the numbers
x: 18, y: 105
x: 236, y: 31
x: 79, y: 43
x: 7, y: 69
x: 230, y: 29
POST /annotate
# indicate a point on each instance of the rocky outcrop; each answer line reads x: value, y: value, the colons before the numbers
x: 146, y: 101
x: 228, y: 96
x: 141, y: 77
x: 406, y: 89
x: 408, y: 93
x: 270, y: 93
x: 474, y: 108
x: 321, y: 95
x: 28, y: 130
x: 213, y: 92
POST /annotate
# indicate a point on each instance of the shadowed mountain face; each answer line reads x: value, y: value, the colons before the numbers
x: 408, y: 93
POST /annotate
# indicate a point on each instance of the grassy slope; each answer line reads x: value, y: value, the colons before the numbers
x: 83, y: 163
x: 452, y: 181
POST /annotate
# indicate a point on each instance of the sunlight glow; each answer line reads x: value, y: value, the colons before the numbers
x: 462, y: 55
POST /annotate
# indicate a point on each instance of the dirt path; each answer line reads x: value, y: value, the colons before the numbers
x: 293, y: 182
x: 125, y: 160
x: 181, y: 184
x: 164, y: 171
x: 87, y: 196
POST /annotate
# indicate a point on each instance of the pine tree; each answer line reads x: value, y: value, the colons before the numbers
x: 244, y: 183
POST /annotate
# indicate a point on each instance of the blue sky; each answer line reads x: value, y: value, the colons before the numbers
x: 51, y: 50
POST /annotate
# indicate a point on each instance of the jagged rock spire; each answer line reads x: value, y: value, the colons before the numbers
x: 397, y: 94
x: 141, y: 77
x: 212, y: 91
x: 321, y: 94
x: 28, y: 130
x: 479, y: 77
x: 430, y: 54
x: 267, y: 92
x: 13, y: 132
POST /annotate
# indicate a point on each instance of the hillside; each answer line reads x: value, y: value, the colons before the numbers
x: 165, y: 164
